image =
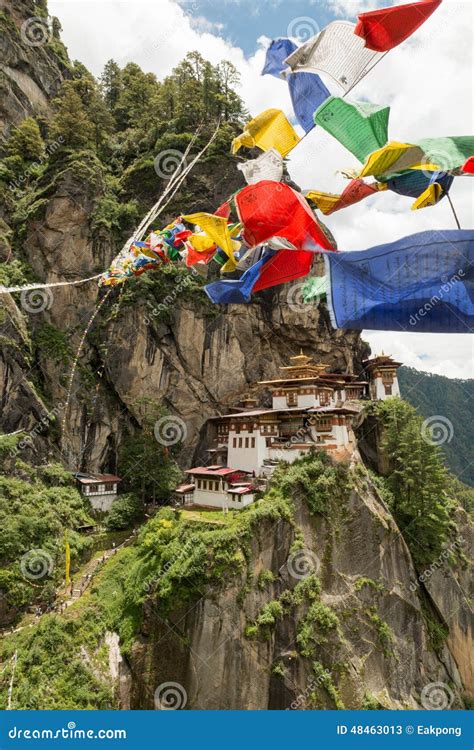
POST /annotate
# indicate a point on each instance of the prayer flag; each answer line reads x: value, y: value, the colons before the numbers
x: 360, y: 126
x: 385, y: 28
x: 422, y: 283
x: 270, y: 129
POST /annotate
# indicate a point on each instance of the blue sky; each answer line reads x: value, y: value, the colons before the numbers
x: 243, y: 22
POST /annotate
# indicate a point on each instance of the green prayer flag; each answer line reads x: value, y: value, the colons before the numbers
x: 315, y: 286
x: 361, y: 127
x: 448, y: 153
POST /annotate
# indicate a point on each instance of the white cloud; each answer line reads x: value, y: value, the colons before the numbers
x: 427, y: 81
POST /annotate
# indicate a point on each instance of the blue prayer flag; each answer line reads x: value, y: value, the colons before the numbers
x: 236, y: 291
x: 422, y: 283
x: 277, y: 52
x: 307, y: 93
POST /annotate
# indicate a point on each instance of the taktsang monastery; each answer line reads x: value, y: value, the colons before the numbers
x: 311, y: 409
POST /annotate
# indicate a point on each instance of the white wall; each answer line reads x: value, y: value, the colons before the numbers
x: 222, y: 499
x: 102, y: 503
x: 246, y: 459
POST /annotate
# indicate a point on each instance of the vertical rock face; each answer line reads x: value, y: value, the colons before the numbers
x: 380, y: 646
x: 30, y: 70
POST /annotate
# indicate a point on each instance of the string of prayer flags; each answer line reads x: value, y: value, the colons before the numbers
x: 336, y: 51
x: 276, y: 55
x: 237, y: 291
x: 422, y: 283
x: 271, y: 209
x: 270, y: 129
x: 361, y: 127
x: 355, y: 191
x: 307, y: 92
x: 418, y: 184
x: 267, y: 166
x: 429, y: 197
x: 429, y: 154
x: 385, y: 28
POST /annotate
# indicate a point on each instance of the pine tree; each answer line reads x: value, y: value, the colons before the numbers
x: 26, y: 142
x: 111, y: 84
x: 71, y: 121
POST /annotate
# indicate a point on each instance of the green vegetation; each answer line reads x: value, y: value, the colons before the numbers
x: 418, y: 486
x: 450, y: 398
x: 54, y: 344
x: 315, y: 480
x: 124, y: 512
x: 36, y: 508
x: 384, y: 633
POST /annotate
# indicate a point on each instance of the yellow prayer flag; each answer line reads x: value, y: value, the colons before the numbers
x: 67, y: 559
x: 392, y: 158
x: 324, y: 201
x: 217, y: 229
x: 270, y: 129
x: 201, y: 242
x: 429, y: 197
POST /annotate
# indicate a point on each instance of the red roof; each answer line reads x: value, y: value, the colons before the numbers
x: 245, y: 490
x: 96, y: 478
x: 183, y: 488
x: 213, y: 472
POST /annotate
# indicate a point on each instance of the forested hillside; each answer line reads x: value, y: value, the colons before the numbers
x: 449, y: 403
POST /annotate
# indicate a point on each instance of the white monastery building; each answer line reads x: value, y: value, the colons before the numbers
x: 312, y: 409
x: 101, y: 489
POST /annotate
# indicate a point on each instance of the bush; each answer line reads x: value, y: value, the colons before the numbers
x: 125, y: 510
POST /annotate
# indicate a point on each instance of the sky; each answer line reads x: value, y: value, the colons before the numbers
x: 427, y: 81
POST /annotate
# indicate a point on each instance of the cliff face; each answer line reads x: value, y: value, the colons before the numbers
x: 30, y: 71
x: 371, y: 627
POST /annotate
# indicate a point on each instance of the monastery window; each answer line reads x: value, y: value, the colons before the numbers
x: 246, y: 442
x: 234, y: 442
x: 268, y: 442
x: 253, y: 442
x: 324, y: 398
x: 291, y: 399
x: 240, y: 442
x: 388, y: 389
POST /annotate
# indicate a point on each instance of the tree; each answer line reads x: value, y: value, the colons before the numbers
x: 26, y: 141
x: 418, y: 481
x: 111, y: 84
x: 146, y: 465
x: 71, y: 121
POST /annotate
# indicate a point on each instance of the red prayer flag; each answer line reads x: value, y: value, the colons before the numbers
x: 384, y: 28
x: 286, y: 265
x: 194, y: 256
x: 468, y: 166
x: 223, y: 210
x: 271, y: 209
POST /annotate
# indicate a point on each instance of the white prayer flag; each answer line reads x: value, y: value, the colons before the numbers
x: 267, y: 166
x: 337, y: 51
